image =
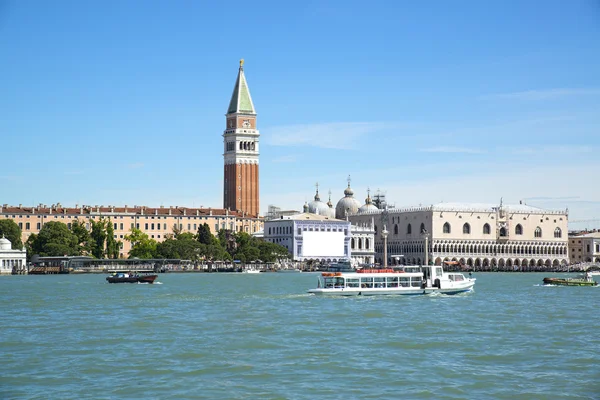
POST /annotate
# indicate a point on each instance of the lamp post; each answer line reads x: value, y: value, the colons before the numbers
x: 384, y: 235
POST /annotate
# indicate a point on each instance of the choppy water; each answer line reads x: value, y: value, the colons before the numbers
x: 238, y: 336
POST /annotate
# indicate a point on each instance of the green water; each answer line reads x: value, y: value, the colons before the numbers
x: 260, y: 336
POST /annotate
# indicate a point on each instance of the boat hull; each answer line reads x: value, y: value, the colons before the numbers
x: 390, y: 292
x: 132, y: 279
x: 569, y: 282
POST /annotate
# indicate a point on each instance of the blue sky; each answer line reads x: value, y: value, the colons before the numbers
x: 123, y: 102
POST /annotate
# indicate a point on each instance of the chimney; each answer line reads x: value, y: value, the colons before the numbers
x: 209, y: 211
x: 156, y: 211
x: 21, y: 206
x: 170, y: 211
x: 184, y: 211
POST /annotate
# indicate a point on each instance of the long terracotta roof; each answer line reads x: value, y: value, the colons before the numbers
x: 135, y: 210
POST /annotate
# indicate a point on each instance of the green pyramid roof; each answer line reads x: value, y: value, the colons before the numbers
x: 241, y: 101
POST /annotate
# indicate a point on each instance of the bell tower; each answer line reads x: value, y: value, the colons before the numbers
x: 240, y: 143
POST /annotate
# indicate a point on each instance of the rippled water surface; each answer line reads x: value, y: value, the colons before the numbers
x: 236, y: 336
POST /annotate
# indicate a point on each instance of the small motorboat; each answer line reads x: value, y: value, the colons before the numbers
x: 131, y: 278
x: 587, y: 280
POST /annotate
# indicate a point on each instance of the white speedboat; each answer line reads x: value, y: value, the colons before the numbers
x: 251, y: 271
x: 413, y: 280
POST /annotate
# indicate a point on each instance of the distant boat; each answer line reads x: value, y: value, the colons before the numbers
x: 587, y: 280
x: 131, y: 278
x: 289, y: 270
x: 251, y: 271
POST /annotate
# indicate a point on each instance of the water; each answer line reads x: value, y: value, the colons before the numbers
x: 240, y: 336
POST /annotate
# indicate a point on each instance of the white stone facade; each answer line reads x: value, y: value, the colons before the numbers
x: 293, y: 232
x: 475, y: 235
x: 584, y: 248
x: 11, y: 261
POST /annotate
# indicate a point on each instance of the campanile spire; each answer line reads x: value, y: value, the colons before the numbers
x: 241, y: 150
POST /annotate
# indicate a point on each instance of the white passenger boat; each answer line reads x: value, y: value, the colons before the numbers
x: 408, y: 280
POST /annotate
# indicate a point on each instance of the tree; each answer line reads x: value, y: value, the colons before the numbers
x: 112, y: 246
x: 83, y: 237
x: 98, y: 236
x: 204, y: 235
x: 141, y: 245
x: 55, y: 239
x: 184, y: 247
x: 12, y: 232
x: 29, y: 243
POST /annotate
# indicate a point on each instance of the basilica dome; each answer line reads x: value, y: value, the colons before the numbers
x: 318, y: 207
x: 347, y: 204
x: 368, y: 206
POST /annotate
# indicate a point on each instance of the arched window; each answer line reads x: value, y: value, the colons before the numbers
x: 352, y: 243
x: 557, y: 233
x: 538, y: 232
x: 486, y: 229
x: 375, y: 229
x: 502, y: 232
x: 396, y: 229
x: 408, y: 229
x: 518, y: 229
x: 359, y: 243
x: 367, y: 244
x: 467, y: 229
x: 446, y: 228
x: 422, y: 230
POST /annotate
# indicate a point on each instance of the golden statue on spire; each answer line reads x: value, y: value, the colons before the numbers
x: 242, y: 63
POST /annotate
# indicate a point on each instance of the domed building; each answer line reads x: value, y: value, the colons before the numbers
x: 368, y: 206
x: 317, y: 206
x: 347, y: 204
x: 11, y: 261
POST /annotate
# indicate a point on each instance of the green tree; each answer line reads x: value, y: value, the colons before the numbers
x: 98, y: 236
x: 29, y: 244
x: 141, y: 245
x: 184, y: 247
x: 55, y: 239
x: 204, y: 235
x: 112, y: 246
x: 10, y: 230
x: 83, y: 237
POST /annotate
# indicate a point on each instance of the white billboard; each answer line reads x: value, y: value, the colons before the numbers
x: 322, y: 244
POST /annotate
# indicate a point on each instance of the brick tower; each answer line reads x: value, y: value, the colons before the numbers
x: 240, y: 142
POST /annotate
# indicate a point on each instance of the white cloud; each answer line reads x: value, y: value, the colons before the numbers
x: 545, y: 94
x: 335, y: 135
x: 451, y: 149
x: 553, y: 150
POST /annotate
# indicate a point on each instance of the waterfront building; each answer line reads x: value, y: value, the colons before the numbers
x: 156, y: 222
x: 584, y: 247
x: 240, y: 151
x: 475, y: 235
x: 12, y: 261
x: 311, y: 237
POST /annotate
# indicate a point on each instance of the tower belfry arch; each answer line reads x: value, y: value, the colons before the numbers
x: 241, y: 150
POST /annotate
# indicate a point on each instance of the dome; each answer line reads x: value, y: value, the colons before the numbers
x: 347, y: 204
x: 368, y: 206
x: 318, y: 207
x: 5, y: 244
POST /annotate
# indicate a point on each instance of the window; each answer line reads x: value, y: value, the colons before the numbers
x: 422, y: 230
x: 20, y: 225
x: 408, y: 229
x: 121, y: 226
x: 146, y: 226
x: 396, y: 229
x: 27, y: 226
x: 447, y: 228
x: 69, y: 226
x: 115, y: 226
x: 39, y: 226
x: 486, y: 229
x: 518, y: 229
x: 466, y: 229
x: 557, y: 233
x: 503, y: 232
x: 538, y: 232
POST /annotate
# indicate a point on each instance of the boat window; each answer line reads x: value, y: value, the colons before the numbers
x: 366, y: 282
x: 415, y: 281
x: 338, y: 283
x: 379, y: 282
x: 404, y: 281
x: 392, y: 281
x: 438, y: 272
x: 352, y: 282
